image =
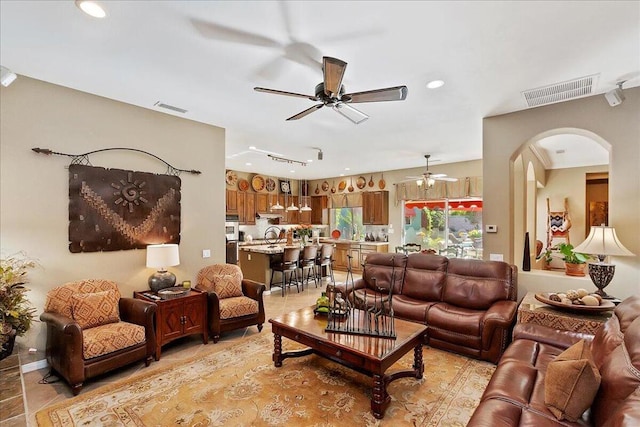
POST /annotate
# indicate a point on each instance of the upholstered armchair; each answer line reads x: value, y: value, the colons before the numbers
x: 91, y: 330
x: 232, y: 302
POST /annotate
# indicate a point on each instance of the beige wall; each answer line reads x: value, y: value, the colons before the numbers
x: 505, y: 136
x: 34, y: 187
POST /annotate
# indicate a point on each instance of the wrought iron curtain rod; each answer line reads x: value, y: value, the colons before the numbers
x: 83, y: 159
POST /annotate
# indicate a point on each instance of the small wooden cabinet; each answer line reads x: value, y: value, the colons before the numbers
x: 262, y: 203
x: 250, y: 208
x: 231, y: 201
x: 178, y: 317
x: 375, y: 207
x: 243, y: 204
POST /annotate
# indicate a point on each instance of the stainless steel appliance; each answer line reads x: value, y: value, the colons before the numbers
x: 232, y: 233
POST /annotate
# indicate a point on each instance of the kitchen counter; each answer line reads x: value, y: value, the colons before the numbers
x: 352, y: 242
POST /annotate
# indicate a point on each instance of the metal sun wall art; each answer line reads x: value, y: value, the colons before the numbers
x: 115, y: 209
x: 370, y: 316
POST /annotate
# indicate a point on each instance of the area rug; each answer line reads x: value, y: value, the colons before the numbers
x: 241, y: 387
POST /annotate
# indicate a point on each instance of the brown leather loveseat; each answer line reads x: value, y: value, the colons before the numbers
x: 468, y: 305
x: 517, y: 391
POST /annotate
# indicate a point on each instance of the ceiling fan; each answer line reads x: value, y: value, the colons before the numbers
x: 330, y: 93
x: 429, y: 178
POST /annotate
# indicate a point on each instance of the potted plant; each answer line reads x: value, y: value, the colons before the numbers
x: 574, y: 262
x: 16, y: 313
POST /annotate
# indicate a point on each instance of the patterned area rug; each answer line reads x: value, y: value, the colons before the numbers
x: 241, y: 387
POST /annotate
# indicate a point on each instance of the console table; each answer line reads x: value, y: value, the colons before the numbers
x: 533, y: 311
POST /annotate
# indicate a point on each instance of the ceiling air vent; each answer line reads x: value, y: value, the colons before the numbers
x: 170, y: 107
x: 571, y: 89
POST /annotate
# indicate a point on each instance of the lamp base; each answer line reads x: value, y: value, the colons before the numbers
x: 601, y: 274
x: 161, y: 280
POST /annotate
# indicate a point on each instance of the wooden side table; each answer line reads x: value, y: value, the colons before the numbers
x: 533, y: 311
x: 178, y: 317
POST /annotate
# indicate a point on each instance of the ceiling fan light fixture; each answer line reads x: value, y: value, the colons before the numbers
x: 419, y: 182
x: 91, y: 8
x: 355, y: 116
x: 430, y: 182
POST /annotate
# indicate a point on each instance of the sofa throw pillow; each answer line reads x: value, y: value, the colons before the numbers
x: 227, y: 286
x: 571, y: 382
x: 95, y: 309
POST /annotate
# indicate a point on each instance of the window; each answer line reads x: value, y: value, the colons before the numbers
x: 450, y: 227
x: 348, y: 221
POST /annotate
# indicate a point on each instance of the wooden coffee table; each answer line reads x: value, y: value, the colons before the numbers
x: 368, y: 355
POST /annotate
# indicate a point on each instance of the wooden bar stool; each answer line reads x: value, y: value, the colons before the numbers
x: 308, y: 264
x: 325, y: 259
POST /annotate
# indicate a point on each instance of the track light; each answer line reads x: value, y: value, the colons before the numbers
x: 320, y: 154
x: 615, y: 96
x: 7, y: 76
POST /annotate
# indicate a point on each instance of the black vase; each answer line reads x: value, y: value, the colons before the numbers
x: 526, y: 257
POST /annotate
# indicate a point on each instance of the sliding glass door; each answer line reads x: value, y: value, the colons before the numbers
x: 450, y: 227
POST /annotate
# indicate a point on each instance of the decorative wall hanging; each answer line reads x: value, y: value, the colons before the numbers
x: 115, y: 209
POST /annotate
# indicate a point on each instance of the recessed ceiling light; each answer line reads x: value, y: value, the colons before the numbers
x: 252, y: 147
x: 91, y: 8
x: 347, y: 169
x: 434, y: 84
x: 309, y: 161
x: 292, y: 171
x: 341, y: 174
x: 247, y: 164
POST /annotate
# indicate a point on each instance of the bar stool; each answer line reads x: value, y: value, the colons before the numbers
x: 324, y: 259
x: 308, y: 264
x: 288, y: 264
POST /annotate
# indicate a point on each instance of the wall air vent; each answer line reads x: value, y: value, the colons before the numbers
x: 571, y: 89
x: 170, y: 107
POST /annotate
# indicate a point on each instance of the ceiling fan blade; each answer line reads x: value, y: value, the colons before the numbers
x: 306, y: 112
x: 438, y: 175
x: 446, y: 178
x: 221, y: 32
x: 397, y: 93
x: 281, y: 92
x: 350, y: 113
x: 333, y: 69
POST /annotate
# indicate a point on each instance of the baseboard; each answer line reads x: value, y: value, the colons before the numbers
x: 34, y: 366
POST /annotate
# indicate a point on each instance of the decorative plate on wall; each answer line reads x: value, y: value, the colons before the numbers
x: 270, y: 185
x: 257, y: 183
x: 243, y: 184
x: 230, y: 178
x: 361, y: 182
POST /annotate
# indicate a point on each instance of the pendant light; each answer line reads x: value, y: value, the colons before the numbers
x: 293, y: 207
x: 277, y: 206
x: 306, y: 207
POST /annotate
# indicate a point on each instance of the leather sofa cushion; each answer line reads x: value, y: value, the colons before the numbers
x: 424, y: 277
x: 477, y: 284
x: 95, y: 309
x: 112, y: 337
x: 571, y: 382
x: 381, y: 267
x: 455, y: 324
x: 410, y: 308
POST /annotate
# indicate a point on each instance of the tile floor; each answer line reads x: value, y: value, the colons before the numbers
x: 38, y: 396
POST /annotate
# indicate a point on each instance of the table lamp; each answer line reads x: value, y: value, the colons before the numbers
x: 602, y: 241
x: 161, y: 257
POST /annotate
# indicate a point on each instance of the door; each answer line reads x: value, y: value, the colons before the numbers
x: 171, y: 318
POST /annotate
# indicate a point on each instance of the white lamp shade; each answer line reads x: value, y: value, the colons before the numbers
x: 165, y: 255
x: 602, y: 240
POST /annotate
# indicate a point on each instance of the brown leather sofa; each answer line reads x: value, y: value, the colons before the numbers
x: 468, y: 305
x: 515, y: 395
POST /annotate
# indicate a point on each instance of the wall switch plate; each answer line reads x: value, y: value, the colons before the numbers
x: 491, y: 228
x: 206, y: 253
x: 496, y: 257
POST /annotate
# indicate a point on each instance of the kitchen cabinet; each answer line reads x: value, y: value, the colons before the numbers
x: 242, y: 204
x: 358, y: 252
x: 375, y: 207
x: 318, y: 204
x: 262, y: 203
x: 289, y: 217
x: 231, y: 201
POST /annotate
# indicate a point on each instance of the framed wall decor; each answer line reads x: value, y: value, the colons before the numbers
x: 115, y: 209
x: 285, y: 186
